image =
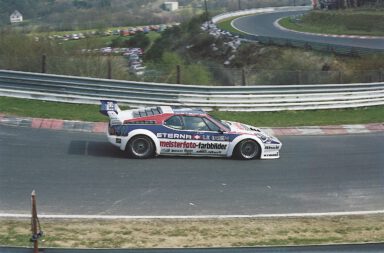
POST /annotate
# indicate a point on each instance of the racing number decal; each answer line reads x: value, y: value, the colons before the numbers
x: 110, y: 106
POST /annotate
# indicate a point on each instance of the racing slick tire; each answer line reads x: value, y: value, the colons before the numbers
x: 141, y: 147
x: 247, y: 150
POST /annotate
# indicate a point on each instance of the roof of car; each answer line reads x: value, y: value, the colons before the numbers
x: 188, y: 111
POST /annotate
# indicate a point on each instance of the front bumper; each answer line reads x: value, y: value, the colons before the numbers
x: 272, y: 149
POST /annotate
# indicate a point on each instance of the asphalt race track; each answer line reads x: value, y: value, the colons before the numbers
x: 263, y: 25
x: 82, y: 174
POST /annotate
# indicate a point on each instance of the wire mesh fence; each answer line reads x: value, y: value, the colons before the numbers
x: 116, y: 67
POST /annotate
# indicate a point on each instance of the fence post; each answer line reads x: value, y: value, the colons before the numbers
x: 35, y: 224
x: 178, y: 74
x: 109, y: 63
x: 243, y: 77
x: 299, y: 78
x: 340, y: 77
x: 44, y: 63
x: 206, y: 12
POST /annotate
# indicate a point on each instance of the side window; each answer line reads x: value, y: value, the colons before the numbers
x: 194, y: 123
x: 212, y: 126
x: 174, y: 122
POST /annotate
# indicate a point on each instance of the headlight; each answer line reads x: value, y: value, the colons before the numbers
x: 263, y: 137
x: 111, y: 131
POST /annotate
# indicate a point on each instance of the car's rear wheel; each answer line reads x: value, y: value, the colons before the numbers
x: 247, y: 149
x: 141, y: 147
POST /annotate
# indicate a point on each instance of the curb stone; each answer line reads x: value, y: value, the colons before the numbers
x: 55, y: 124
x: 101, y: 127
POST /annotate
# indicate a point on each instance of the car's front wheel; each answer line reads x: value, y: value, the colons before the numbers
x: 247, y: 149
x: 141, y: 147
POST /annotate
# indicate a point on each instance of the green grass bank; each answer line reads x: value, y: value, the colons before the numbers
x: 44, y: 109
x: 369, y: 22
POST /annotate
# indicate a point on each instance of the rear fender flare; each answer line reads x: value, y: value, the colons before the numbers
x: 145, y: 132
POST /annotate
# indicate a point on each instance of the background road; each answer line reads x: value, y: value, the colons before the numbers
x: 81, y: 173
x: 263, y: 25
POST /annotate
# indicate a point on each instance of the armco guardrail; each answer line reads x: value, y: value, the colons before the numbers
x: 224, y: 16
x: 241, y: 98
x: 319, y: 46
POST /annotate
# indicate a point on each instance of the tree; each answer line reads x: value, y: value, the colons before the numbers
x: 139, y: 40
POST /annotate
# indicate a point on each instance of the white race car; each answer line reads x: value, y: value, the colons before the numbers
x: 164, y: 130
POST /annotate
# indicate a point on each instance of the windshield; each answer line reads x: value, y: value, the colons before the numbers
x: 220, y: 122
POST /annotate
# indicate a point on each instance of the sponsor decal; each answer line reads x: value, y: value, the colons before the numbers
x: 211, y: 152
x: 118, y: 140
x: 196, y: 137
x: 272, y: 155
x: 212, y: 146
x: 177, y: 144
x: 272, y: 147
x: 220, y: 138
x: 113, y: 118
x: 188, y: 151
x: 206, y: 137
x: 192, y: 145
x: 174, y: 136
x: 202, y: 137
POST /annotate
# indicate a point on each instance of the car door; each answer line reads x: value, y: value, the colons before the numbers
x: 207, y: 137
x: 173, y: 138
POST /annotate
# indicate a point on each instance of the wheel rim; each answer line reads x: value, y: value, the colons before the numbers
x: 249, y: 149
x: 140, y: 147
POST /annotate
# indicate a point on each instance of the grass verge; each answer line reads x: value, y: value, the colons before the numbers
x: 353, y: 22
x: 226, y: 26
x: 43, y: 109
x: 308, y: 117
x: 158, y: 233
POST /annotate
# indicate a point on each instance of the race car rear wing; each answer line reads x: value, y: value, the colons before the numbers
x: 111, y: 109
x: 118, y: 117
x: 109, y: 106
